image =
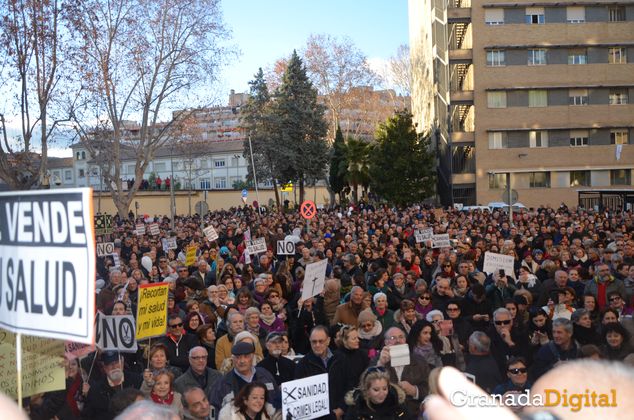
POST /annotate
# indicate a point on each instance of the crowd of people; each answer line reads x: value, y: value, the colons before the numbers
x: 237, y: 326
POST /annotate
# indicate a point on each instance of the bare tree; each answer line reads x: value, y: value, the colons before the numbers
x: 335, y: 68
x: 400, y: 70
x: 30, y: 43
x: 137, y: 60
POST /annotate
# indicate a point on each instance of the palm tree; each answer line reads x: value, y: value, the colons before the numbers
x: 357, y: 154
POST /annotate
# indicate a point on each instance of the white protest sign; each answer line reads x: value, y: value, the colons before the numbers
x: 256, y: 246
x: 47, y: 263
x: 140, y: 229
x: 210, y: 233
x: 154, y: 229
x: 307, y: 398
x: 424, y: 235
x: 399, y: 355
x: 106, y: 248
x: 115, y: 333
x: 285, y: 248
x: 494, y: 262
x: 314, y: 279
x: 440, y: 241
x: 169, y: 243
x: 115, y: 260
x: 247, y: 257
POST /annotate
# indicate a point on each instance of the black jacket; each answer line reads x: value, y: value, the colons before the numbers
x: 312, y: 364
x: 391, y: 409
x: 485, y: 370
x: 97, y: 405
x: 178, y: 353
x: 282, y: 369
x: 354, y: 363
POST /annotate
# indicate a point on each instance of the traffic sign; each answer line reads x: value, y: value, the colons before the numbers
x: 308, y: 209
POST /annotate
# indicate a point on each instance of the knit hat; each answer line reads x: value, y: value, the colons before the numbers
x: 366, y: 315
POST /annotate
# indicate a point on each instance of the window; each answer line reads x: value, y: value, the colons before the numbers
x: 619, y: 136
x: 618, y: 96
x: 577, y: 56
x: 219, y: 163
x: 536, y: 57
x: 68, y: 175
x: 579, y: 138
x: 537, y: 98
x: 539, y: 179
x: 497, y: 181
x: 205, y: 184
x: 575, y: 14
x: 83, y: 155
x: 204, y: 163
x: 617, y: 55
x: 82, y: 173
x: 616, y: 13
x: 535, y: 16
x: 94, y: 172
x: 220, y: 183
x: 494, y: 16
x: 620, y: 177
x: 579, y: 178
x: 538, y: 138
x: 497, y: 140
x: 578, y: 97
x: 496, y: 58
x: 160, y: 167
x: 496, y: 99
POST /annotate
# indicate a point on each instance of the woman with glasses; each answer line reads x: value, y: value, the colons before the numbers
x: 517, y: 374
x: 376, y: 398
x: 423, y: 303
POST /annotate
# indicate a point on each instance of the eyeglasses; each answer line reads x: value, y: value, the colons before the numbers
x: 615, y: 298
x: 396, y: 337
x: 517, y: 371
x: 452, y: 309
x: 176, y: 325
x: 504, y: 322
x: 446, y: 265
x: 274, y: 296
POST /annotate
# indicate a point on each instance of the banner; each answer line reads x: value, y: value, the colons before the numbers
x: 169, y: 243
x: 154, y: 229
x: 424, y: 235
x: 103, y: 224
x: 210, y: 233
x: 105, y: 248
x: 285, y: 248
x: 42, y: 365
x: 307, y: 398
x: 314, y: 279
x: 494, y: 262
x: 47, y: 263
x: 115, y: 332
x: 440, y: 241
x: 151, y: 320
x: 256, y: 246
x: 190, y: 256
x: 140, y: 229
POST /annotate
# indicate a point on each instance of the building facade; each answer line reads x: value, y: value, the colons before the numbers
x: 540, y: 95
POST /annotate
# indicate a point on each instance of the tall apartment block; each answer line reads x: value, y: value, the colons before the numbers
x: 536, y: 93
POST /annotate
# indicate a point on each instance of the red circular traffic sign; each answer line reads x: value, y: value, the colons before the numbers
x: 308, y: 209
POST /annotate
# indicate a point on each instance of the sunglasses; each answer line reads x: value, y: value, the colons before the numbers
x: 424, y: 297
x: 505, y: 322
x: 452, y: 309
x: 176, y: 325
x: 517, y: 371
x: 614, y: 299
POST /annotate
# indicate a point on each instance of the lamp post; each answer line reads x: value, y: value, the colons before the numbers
x: 255, y: 178
x: 237, y: 158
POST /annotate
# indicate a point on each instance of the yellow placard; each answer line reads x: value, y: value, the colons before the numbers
x: 42, y: 365
x: 151, y: 320
x: 190, y: 256
x: 287, y: 187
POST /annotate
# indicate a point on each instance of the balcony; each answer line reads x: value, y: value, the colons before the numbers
x: 461, y: 97
x: 459, y: 14
x: 464, y: 56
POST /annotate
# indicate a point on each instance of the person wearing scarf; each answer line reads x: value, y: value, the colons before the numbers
x: 384, y: 315
x: 163, y: 393
x: 602, y: 284
x: 370, y: 330
x: 269, y: 320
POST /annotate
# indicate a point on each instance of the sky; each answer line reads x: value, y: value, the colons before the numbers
x: 266, y: 30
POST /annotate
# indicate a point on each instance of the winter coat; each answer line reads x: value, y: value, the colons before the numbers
x: 230, y: 412
x: 311, y: 365
x: 392, y: 408
x: 354, y: 364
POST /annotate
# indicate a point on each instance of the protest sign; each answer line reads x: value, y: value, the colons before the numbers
x: 314, y: 279
x: 103, y: 224
x: 115, y: 260
x: 285, y: 248
x: 115, y: 332
x: 151, y: 319
x: 42, y: 365
x: 494, y: 262
x: 307, y: 398
x: 47, y: 263
x: 105, y: 248
x: 154, y: 229
x: 190, y: 256
x: 440, y: 241
x: 424, y: 235
x: 140, y: 229
x: 210, y: 233
x: 169, y: 243
x: 72, y: 349
x: 256, y: 246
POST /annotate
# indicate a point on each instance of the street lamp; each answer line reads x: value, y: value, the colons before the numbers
x: 237, y: 158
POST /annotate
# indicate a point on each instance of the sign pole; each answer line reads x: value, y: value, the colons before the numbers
x: 18, y: 363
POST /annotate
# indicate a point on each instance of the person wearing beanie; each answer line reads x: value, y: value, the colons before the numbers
x: 384, y: 315
x: 370, y: 329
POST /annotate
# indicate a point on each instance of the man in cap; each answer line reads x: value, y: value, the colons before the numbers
x: 97, y: 404
x: 244, y: 372
x: 280, y: 367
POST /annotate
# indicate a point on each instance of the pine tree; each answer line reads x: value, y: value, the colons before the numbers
x: 401, y: 163
x: 300, y: 128
x: 338, y: 165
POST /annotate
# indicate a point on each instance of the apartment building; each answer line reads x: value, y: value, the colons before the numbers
x: 535, y: 94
